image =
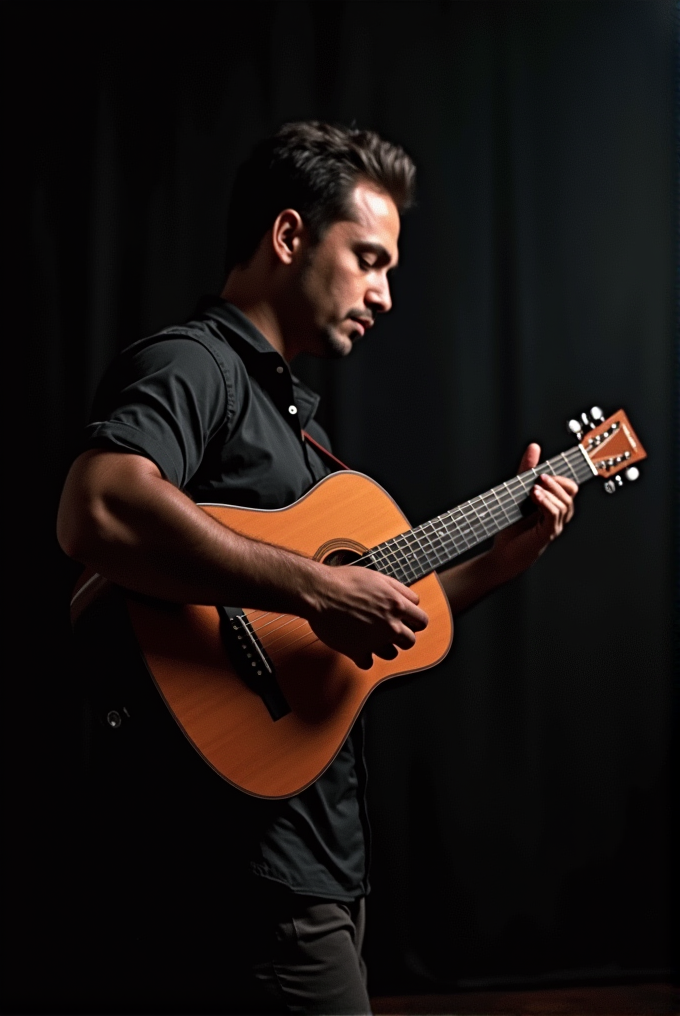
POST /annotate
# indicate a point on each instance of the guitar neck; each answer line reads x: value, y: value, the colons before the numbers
x: 435, y: 544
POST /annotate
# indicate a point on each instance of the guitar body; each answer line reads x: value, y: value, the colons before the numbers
x: 274, y: 729
x: 227, y: 722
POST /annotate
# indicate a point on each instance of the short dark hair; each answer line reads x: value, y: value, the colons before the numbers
x: 312, y: 167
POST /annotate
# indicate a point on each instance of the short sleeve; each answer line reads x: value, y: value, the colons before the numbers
x: 164, y: 399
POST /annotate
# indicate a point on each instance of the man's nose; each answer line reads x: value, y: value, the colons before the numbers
x: 379, y: 297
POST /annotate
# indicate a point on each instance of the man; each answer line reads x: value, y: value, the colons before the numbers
x: 210, y: 412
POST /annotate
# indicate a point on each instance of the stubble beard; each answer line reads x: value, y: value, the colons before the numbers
x: 331, y: 342
x: 334, y: 345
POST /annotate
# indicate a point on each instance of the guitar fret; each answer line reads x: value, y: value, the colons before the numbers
x: 456, y: 521
x: 569, y: 466
x: 502, y: 506
x: 398, y: 543
x: 438, y: 547
x: 480, y: 519
x: 431, y: 557
x: 433, y: 548
x: 423, y: 549
x: 398, y: 567
x: 514, y: 500
x: 496, y: 509
x: 411, y: 556
x: 436, y: 554
x: 382, y: 560
x: 393, y: 562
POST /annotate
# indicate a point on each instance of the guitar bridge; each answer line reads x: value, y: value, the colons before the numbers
x: 251, y: 661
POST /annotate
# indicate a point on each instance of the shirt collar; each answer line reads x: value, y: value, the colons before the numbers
x: 256, y: 351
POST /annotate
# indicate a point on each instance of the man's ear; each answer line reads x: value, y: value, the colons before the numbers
x: 287, y: 235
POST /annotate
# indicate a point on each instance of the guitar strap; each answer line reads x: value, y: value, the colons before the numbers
x: 323, y: 452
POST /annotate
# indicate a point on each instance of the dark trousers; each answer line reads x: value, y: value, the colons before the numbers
x: 306, y: 955
x: 169, y: 922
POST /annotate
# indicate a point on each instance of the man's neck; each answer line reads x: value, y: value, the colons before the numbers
x: 240, y: 291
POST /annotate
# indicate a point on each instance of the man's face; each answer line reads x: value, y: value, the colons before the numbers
x: 344, y: 281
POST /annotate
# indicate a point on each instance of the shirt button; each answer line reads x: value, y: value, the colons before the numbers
x: 279, y: 370
x: 292, y: 410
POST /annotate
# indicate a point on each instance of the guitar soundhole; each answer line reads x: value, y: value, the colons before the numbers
x: 342, y: 550
x: 340, y: 557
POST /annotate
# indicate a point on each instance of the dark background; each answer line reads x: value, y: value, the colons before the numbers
x: 520, y: 791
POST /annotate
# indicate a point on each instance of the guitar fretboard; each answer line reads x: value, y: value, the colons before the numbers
x: 434, y: 544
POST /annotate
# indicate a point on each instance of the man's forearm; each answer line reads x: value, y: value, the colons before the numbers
x: 120, y: 517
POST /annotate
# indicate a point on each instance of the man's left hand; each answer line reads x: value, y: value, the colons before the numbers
x: 517, y: 547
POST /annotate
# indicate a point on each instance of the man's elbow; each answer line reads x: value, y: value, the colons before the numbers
x: 78, y: 532
x: 104, y: 497
x: 82, y: 518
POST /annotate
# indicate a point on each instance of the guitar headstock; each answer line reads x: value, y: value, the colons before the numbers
x: 611, y: 445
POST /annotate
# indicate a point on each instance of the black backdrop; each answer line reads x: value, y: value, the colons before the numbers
x: 519, y: 792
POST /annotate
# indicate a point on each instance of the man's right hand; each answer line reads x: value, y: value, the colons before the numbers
x: 362, y: 613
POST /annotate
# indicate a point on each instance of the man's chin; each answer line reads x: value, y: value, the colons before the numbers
x: 335, y: 345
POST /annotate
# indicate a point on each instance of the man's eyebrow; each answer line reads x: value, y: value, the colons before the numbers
x: 382, y: 253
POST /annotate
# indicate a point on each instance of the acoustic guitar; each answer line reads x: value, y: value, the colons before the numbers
x: 259, y: 696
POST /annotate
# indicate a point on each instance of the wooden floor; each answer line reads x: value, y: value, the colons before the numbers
x: 623, y: 1000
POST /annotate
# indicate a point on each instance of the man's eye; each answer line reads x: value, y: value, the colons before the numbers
x: 366, y: 265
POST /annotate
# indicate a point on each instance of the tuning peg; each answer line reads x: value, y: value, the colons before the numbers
x: 575, y: 428
x: 596, y: 414
x: 611, y: 486
x: 632, y: 473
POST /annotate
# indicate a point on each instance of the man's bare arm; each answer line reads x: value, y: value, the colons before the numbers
x: 518, y: 546
x: 119, y: 516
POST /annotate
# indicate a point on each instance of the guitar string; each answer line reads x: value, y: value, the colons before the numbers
x: 261, y: 627
x: 272, y: 641
x: 392, y: 552
x: 440, y: 538
x: 281, y: 653
x: 406, y: 543
x: 504, y: 494
x: 450, y: 541
x: 257, y: 615
x: 256, y: 628
x: 442, y: 533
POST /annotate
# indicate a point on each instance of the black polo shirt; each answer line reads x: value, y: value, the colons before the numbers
x: 217, y: 409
